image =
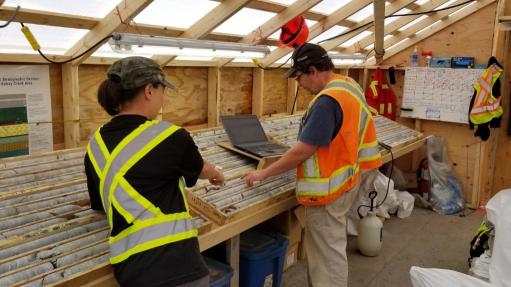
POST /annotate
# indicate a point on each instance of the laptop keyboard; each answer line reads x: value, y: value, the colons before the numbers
x: 264, y: 147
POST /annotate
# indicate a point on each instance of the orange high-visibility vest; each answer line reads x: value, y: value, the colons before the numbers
x: 380, y: 98
x: 486, y: 106
x: 332, y: 171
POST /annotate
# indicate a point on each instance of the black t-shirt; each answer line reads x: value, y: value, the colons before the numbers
x: 156, y: 177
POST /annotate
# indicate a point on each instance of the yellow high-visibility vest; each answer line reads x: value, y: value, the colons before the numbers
x: 150, y: 228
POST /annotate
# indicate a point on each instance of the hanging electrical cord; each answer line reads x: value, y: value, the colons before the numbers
x: 388, y: 184
x: 294, y: 103
x: 33, y: 42
x: 12, y: 18
x: 398, y: 15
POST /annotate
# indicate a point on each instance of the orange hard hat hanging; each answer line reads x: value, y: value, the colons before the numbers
x: 294, y: 33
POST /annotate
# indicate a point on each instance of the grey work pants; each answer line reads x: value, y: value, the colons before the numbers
x: 325, y: 240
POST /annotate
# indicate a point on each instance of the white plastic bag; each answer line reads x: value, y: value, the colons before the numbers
x: 480, y: 267
x: 430, y: 277
x: 499, y: 213
x: 406, y: 203
x: 398, y: 178
x: 446, y: 195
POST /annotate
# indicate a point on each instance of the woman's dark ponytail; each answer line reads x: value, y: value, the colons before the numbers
x: 109, y: 97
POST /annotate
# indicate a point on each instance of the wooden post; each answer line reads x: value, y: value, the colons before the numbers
x: 213, y: 96
x: 365, y: 79
x: 257, y: 92
x: 415, y: 159
x: 159, y: 117
x: 71, y: 103
x: 379, y: 29
x: 233, y: 258
x: 292, y: 85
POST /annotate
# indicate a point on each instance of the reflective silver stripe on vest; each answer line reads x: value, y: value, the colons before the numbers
x: 486, y: 108
x: 363, y: 120
x: 133, y: 147
x: 303, y: 186
x: 349, y: 87
x: 310, y: 167
x: 368, y: 152
x: 130, y: 205
x: 100, y: 159
x: 485, y: 85
x: 150, y: 233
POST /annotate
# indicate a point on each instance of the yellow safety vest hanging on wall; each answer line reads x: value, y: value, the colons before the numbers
x: 486, y: 106
x: 150, y: 228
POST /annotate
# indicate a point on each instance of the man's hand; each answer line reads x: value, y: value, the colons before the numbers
x: 257, y: 175
x: 218, y: 179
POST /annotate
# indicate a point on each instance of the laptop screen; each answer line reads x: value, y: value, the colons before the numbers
x: 243, y: 129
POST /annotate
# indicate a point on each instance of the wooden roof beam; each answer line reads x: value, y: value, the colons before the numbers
x: 111, y: 23
x: 320, y: 27
x: 379, y: 25
x: 389, y: 10
x: 48, y: 18
x: 410, y: 37
x: 207, y: 24
x: 392, y: 28
x: 275, y: 23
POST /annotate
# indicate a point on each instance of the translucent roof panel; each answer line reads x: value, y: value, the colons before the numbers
x: 357, y: 38
x: 53, y: 40
x: 369, y: 47
x: 190, y: 58
x: 400, y: 12
x: 364, y: 13
x: 413, y: 23
x: 448, y: 3
x: 329, y: 6
x: 276, y: 35
x: 106, y: 52
x: 334, y: 31
x: 286, y: 2
x: 175, y: 13
x: 464, y: 7
x: 89, y: 8
x: 420, y: 2
x: 244, y: 22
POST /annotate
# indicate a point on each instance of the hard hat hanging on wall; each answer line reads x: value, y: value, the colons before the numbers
x: 294, y: 33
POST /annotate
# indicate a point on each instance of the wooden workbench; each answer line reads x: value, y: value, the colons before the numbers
x: 102, y: 275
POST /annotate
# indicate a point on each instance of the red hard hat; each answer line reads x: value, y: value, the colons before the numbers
x: 294, y: 33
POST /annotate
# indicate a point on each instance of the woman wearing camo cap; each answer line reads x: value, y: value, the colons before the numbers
x: 135, y: 168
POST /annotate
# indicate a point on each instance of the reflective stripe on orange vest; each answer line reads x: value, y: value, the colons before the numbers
x: 330, y: 172
x: 486, y: 106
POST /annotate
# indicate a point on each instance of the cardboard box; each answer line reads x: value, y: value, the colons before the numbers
x: 440, y: 62
x: 291, y: 256
x: 286, y: 224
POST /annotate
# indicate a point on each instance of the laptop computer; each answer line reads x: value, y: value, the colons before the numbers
x: 246, y: 133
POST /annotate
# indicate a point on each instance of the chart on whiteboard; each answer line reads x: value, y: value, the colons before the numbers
x: 439, y: 94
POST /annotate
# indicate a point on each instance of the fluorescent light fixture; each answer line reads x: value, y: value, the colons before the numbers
x: 343, y: 59
x: 154, y: 45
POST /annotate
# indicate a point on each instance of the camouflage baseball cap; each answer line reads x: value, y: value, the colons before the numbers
x: 134, y: 72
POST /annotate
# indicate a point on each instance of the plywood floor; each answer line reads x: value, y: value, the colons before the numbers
x: 425, y: 239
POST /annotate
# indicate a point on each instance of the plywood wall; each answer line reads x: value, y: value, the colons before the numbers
x: 275, y: 92
x: 469, y: 37
x: 236, y: 91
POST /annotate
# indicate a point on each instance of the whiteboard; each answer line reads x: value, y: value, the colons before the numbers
x: 439, y: 94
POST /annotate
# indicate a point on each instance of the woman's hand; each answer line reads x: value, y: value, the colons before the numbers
x: 218, y: 179
x: 257, y: 175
